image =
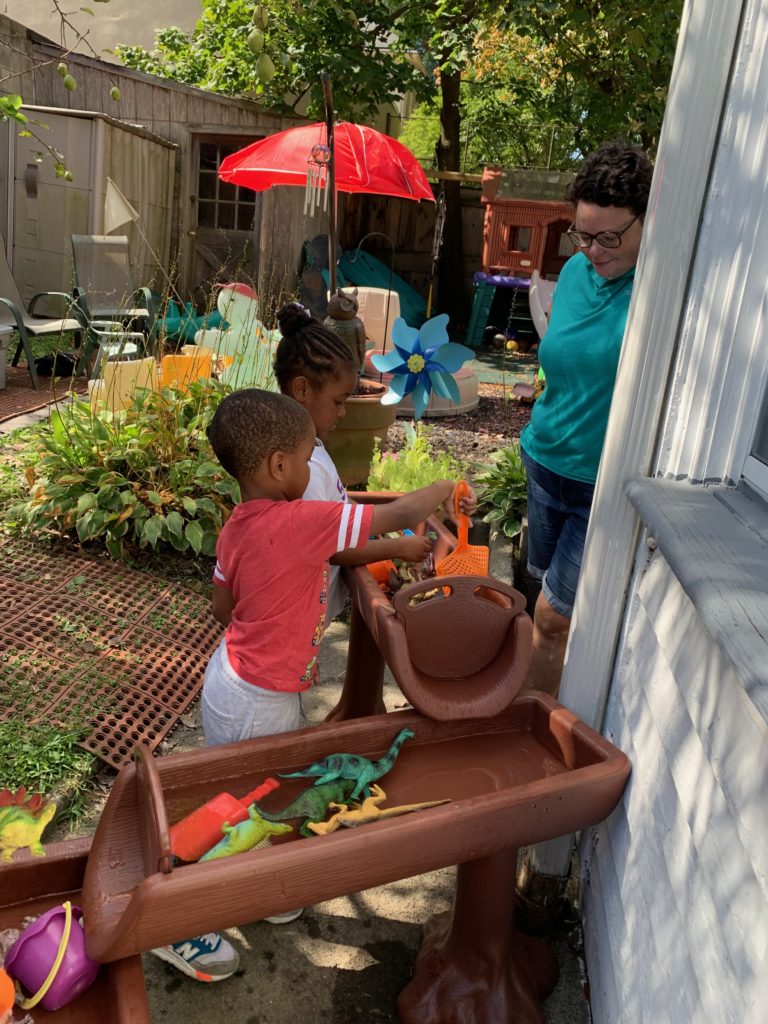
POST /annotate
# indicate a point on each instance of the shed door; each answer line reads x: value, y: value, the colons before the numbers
x: 228, y: 218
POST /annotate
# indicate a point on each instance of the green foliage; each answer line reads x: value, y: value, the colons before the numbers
x: 417, y: 465
x: 353, y: 42
x: 502, y: 487
x: 42, y: 757
x: 603, y: 68
x: 140, y: 478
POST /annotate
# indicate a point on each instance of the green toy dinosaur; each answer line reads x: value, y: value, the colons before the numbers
x: 22, y: 822
x: 312, y: 804
x: 351, y: 766
x: 246, y: 835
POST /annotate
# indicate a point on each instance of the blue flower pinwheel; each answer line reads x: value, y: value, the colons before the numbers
x: 422, y: 361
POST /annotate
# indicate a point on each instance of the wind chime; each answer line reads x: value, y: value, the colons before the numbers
x: 318, y: 167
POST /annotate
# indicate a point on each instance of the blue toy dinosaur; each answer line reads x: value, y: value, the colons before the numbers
x: 351, y: 766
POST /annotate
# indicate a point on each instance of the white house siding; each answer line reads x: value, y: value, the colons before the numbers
x: 675, y: 883
x: 676, y: 890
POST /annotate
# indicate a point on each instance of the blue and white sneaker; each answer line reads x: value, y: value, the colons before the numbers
x: 207, y: 958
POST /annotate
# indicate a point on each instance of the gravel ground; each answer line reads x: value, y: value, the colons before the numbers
x: 495, y: 423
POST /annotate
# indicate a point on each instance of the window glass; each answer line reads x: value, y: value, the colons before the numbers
x: 221, y: 204
x: 519, y: 238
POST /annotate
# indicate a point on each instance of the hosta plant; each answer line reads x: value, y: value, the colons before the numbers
x: 144, y: 477
x: 502, y: 490
x: 417, y: 465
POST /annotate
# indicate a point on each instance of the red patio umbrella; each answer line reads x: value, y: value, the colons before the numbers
x: 365, y: 161
x: 326, y: 157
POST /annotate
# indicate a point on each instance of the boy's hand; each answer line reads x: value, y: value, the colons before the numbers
x: 411, y: 548
x: 468, y: 504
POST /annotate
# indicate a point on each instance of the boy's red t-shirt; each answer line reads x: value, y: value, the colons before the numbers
x: 273, y: 556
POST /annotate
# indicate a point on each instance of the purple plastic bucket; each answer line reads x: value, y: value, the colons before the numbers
x: 30, y: 958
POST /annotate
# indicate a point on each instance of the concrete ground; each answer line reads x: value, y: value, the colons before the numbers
x: 346, y: 960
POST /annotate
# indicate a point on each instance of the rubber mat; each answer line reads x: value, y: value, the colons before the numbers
x: 19, y: 397
x: 84, y: 639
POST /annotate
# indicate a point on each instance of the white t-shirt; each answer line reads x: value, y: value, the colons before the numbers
x: 325, y: 485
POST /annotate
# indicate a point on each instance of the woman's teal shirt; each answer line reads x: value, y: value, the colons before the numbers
x: 579, y: 355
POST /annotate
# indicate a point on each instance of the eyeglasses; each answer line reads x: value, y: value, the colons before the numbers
x: 608, y: 239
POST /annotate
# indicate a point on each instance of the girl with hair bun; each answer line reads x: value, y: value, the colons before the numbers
x: 316, y: 367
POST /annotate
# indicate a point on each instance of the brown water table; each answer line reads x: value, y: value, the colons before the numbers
x: 32, y: 885
x: 463, y: 654
x: 527, y: 774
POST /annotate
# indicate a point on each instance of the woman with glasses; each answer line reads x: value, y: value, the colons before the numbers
x: 579, y: 354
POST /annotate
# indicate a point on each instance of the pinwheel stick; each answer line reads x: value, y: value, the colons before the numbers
x: 325, y: 78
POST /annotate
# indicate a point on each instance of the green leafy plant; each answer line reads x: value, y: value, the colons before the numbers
x: 144, y: 477
x: 502, y: 488
x: 417, y: 465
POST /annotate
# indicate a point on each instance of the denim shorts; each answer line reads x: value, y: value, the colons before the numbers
x: 558, y: 513
x: 234, y: 709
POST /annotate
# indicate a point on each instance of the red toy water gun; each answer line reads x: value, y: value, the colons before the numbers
x: 199, y: 831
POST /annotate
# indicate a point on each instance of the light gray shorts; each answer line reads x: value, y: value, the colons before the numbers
x: 234, y: 709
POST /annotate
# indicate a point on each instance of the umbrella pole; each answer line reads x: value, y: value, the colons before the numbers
x: 328, y: 97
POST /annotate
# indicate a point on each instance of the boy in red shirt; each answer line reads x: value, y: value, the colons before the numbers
x: 270, y: 590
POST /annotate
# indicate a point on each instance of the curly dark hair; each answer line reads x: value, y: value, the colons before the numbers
x: 616, y: 174
x: 251, y: 424
x: 308, y: 349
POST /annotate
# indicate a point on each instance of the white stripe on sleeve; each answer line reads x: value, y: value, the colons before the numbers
x: 218, y: 574
x: 356, y: 524
x: 340, y: 541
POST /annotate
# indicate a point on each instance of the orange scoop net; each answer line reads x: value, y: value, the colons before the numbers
x: 465, y: 559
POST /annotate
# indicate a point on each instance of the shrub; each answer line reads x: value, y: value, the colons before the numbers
x: 417, y: 465
x: 144, y: 477
x: 502, y: 487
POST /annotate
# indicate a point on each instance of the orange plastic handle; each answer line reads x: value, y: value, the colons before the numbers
x: 461, y: 490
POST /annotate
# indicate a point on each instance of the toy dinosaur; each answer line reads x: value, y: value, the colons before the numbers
x: 369, y: 810
x: 22, y: 822
x: 353, y: 766
x: 246, y: 835
x: 311, y: 804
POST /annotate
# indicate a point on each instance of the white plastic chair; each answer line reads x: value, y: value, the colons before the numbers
x: 540, y: 295
x: 378, y: 309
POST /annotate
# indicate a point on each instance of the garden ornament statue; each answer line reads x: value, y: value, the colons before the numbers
x: 422, y: 361
x: 351, y: 766
x: 343, y: 319
x: 251, y: 834
x: 311, y: 805
x: 245, y: 346
x: 369, y: 810
x: 22, y: 822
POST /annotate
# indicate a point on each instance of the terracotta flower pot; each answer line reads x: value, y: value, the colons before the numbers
x: 350, y: 444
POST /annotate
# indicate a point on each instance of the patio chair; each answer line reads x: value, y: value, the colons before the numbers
x: 15, y: 313
x: 105, y: 290
x: 540, y: 295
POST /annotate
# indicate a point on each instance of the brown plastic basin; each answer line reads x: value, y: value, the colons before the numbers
x: 30, y: 886
x: 463, y: 653
x: 528, y: 774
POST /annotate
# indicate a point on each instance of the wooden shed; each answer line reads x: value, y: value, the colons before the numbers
x: 212, y: 224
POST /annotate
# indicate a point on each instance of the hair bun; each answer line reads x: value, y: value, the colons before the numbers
x: 292, y: 317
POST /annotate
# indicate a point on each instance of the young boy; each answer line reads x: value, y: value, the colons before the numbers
x: 271, y: 590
